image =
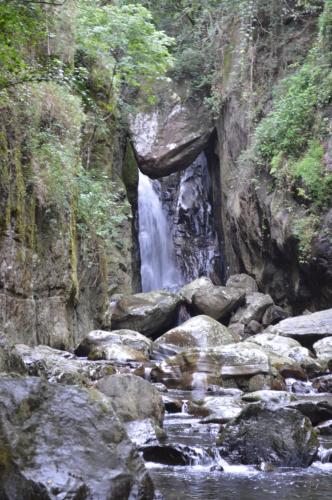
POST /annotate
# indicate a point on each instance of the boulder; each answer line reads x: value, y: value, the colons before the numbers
x: 273, y: 315
x: 307, y: 329
x: 242, y: 281
x: 323, y: 349
x: 323, y: 384
x: 284, y: 347
x: 200, y: 331
x: 220, y: 409
x: 176, y: 454
x: 281, y: 437
x: 64, y: 442
x: 217, y: 301
x: 150, y: 313
x: 316, y: 408
x: 52, y: 364
x: 135, y: 400
x: 197, y: 369
x: 133, y: 397
x: 271, y: 399
x: 255, y: 306
x: 169, y: 137
x: 188, y: 291
x: 119, y: 345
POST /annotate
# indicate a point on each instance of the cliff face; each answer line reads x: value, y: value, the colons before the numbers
x: 58, y: 156
x: 259, y: 218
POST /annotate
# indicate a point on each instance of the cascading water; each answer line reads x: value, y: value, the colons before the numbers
x: 158, y: 267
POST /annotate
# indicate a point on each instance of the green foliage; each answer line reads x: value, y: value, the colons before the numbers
x: 289, y: 139
x: 21, y: 28
x: 101, y: 207
x: 306, y: 229
x: 125, y: 41
x: 310, y: 171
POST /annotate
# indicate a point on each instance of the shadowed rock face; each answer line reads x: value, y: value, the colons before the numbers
x: 64, y: 441
x: 282, y: 437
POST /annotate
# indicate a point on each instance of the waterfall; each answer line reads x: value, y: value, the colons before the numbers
x: 158, y: 268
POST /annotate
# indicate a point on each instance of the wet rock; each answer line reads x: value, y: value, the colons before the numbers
x: 121, y: 345
x: 273, y: 315
x: 52, y: 364
x: 117, y: 353
x: 160, y: 387
x: 242, y: 281
x: 64, y: 442
x: 133, y: 398
x: 144, y: 431
x: 284, y: 347
x: 325, y: 428
x: 307, y: 329
x: 323, y: 349
x: 255, y: 306
x: 253, y: 327
x: 217, y: 301
x: 172, y: 405
x: 281, y: 437
x: 176, y: 454
x: 149, y: 313
x: 171, y: 136
x: 188, y: 291
x: 271, y: 399
x: 218, y: 410
x: 317, y: 409
x: 323, y: 384
x: 197, y: 369
x: 200, y: 331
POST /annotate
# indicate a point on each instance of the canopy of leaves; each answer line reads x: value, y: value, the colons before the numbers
x: 126, y: 41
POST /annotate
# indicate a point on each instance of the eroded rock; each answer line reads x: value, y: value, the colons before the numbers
x: 171, y: 136
x: 200, y: 331
x: 149, y: 313
x: 119, y: 345
x: 306, y: 329
x: 217, y: 301
x: 64, y: 442
x: 281, y: 437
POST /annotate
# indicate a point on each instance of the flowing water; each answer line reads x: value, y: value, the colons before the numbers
x: 158, y: 267
x: 203, y: 478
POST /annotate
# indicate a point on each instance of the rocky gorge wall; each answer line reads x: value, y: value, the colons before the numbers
x: 258, y: 218
x: 263, y: 226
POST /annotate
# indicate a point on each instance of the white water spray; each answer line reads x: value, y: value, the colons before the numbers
x: 158, y: 269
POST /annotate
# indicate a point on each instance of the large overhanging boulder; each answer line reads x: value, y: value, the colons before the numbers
x: 169, y: 137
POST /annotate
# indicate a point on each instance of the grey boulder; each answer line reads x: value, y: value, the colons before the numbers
x: 149, y: 313
x: 281, y: 437
x: 308, y: 328
x: 64, y: 442
x: 200, y: 331
x: 118, y: 345
x: 242, y: 281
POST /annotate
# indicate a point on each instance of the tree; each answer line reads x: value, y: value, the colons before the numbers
x: 125, y: 40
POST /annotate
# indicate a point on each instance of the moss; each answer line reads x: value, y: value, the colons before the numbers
x: 20, y: 193
x: 73, y: 251
x: 31, y: 226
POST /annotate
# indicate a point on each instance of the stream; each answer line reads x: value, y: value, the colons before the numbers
x: 201, y: 480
